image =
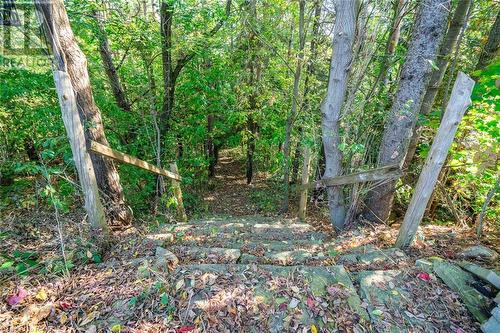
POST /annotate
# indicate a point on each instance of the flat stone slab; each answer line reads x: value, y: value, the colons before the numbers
x: 491, y: 326
x: 210, y: 254
x: 479, y: 252
x: 484, y: 274
x: 369, y: 255
x: 460, y: 281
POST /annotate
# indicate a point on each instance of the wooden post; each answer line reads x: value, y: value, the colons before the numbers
x: 459, y: 101
x: 178, y: 194
x: 81, y: 157
x: 305, y: 180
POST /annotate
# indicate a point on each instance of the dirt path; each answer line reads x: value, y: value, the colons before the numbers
x: 231, y: 195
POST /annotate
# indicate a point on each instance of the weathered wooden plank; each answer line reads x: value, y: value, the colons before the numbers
x: 305, y: 180
x: 385, y: 172
x: 459, y: 102
x: 101, y: 149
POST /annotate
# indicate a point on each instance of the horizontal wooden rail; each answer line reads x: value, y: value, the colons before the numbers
x: 385, y: 172
x: 101, y: 149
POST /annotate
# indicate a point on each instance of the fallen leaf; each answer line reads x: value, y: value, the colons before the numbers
x: 116, y: 328
x: 311, y: 303
x: 283, y: 306
x: 63, y: 318
x: 377, y: 312
x: 35, y: 313
x: 179, y: 284
x: 293, y: 303
x: 18, y: 297
x: 41, y: 295
x: 424, y: 276
x: 183, y: 329
x: 314, y: 329
x: 65, y: 305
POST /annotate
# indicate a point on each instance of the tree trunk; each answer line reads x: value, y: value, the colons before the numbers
x: 492, y: 47
x: 252, y: 130
x: 293, y: 114
x: 459, y: 101
x: 390, y: 48
x: 343, y: 40
x: 489, y: 197
x: 430, y: 25
x: 210, y: 146
x: 76, y: 65
x: 166, y: 17
x: 109, y: 66
x: 253, y: 81
x: 458, y: 21
x: 53, y: 18
x: 296, y: 157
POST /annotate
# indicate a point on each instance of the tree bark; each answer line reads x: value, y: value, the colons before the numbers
x: 109, y: 66
x: 75, y: 63
x: 457, y: 22
x: 492, y: 47
x: 343, y: 41
x: 210, y: 146
x: 430, y: 25
x: 459, y: 101
x: 293, y: 113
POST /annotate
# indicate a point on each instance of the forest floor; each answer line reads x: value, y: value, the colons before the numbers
x: 246, y: 273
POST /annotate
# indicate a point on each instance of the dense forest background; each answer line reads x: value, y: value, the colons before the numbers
x: 247, y: 79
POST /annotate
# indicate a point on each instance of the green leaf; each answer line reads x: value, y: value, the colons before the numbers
x: 164, y: 299
x: 7, y: 264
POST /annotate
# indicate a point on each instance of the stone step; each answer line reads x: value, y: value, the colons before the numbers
x: 309, y: 293
x: 262, y: 236
x: 205, y: 254
x: 236, y: 228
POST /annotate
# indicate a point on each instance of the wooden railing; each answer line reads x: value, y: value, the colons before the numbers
x: 173, y: 174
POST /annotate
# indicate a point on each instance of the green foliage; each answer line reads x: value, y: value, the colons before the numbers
x: 219, y: 81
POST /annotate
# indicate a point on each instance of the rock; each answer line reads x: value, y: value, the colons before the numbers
x: 246, y: 258
x: 424, y: 264
x: 460, y: 281
x: 479, y: 252
x: 164, y: 258
x: 491, y: 326
x: 288, y: 257
x: 348, y: 259
x: 496, y: 312
x: 377, y: 256
x: 483, y: 273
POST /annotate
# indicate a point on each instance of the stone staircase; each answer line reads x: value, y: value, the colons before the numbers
x: 258, y: 274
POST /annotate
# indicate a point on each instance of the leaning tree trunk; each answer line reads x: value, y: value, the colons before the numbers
x: 457, y: 22
x: 76, y: 64
x: 47, y: 12
x: 430, y: 25
x: 492, y: 47
x: 109, y: 66
x: 343, y: 40
x: 293, y: 113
